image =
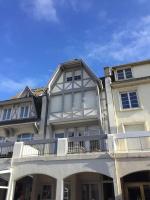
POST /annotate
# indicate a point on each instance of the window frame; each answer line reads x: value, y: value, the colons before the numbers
x: 124, y: 74
x: 130, y: 106
x: 6, y: 118
x: 24, y: 111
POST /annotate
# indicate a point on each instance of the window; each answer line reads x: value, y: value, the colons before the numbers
x: 6, y: 113
x: 90, y: 99
x: 68, y: 76
x: 56, y: 103
x: 124, y: 74
x: 24, y: 112
x: 129, y: 100
x: 134, y: 127
x: 77, y: 101
x: 2, y: 139
x: 70, y: 134
x: 59, y: 135
x: 77, y: 75
x: 67, y: 102
x: 25, y: 137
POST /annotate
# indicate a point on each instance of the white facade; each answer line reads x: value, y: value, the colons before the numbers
x: 92, y: 141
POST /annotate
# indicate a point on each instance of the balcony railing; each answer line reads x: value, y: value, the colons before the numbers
x: 39, y: 147
x: 96, y: 143
x: 6, y: 149
x: 132, y: 142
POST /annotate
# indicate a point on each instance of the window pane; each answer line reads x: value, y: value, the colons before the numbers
x: 22, y: 111
x: 59, y: 135
x: 90, y: 99
x: 120, y: 74
x: 133, y: 100
x: 77, y: 75
x: 8, y: 113
x: 128, y: 73
x: 4, y: 115
x: 125, y: 101
x: 25, y: 137
x: 67, y: 102
x: 56, y: 103
x: 77, y: 101
x: 68, y: 76
x: 26, y: 111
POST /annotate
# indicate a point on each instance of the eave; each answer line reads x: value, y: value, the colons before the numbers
x: 131, y: 82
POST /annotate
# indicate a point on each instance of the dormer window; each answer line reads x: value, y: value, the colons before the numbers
x: 7, y: 114
x: 124, y: 74
x: 24, y: 111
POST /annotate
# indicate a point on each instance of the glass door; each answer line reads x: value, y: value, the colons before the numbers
x: 89, y: 192
x: 146, y: 189
x: 46, y: 193
x: 134, y: 192
x: 138, y: 191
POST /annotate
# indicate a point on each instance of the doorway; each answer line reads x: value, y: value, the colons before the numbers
x: 137, y: 191
x: 89, y: 191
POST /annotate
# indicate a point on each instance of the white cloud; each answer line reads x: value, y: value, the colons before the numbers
x: 41, y: 9
x: 77, y: 5
x: 9, y: 85
x: 131, y: 42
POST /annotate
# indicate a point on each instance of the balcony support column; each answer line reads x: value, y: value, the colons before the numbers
x: 59, y: 189
x: 11, y: 188
x: 117, y: 183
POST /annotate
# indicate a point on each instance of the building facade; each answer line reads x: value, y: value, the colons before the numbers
x: 79, y: 138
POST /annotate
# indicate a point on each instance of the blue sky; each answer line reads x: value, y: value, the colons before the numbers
x: 37, y: 35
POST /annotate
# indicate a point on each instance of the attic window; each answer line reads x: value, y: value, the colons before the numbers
x: 69, y: 76
x: 77, y: 75
x: 24, y: 111
x: 124, y: 74
x: 7, y: 114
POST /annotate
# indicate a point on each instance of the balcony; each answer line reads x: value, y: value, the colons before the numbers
x: 119, y: 144
x: 131, y: 142
x: 55, y: 147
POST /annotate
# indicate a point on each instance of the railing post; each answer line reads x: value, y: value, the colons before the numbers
x: 18, y: 148
x: 87, y: 145
x: 11, y: 188
x: 62, y: 146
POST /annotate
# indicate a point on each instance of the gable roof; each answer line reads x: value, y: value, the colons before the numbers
x: 30, y: 92
x: 71, y: 64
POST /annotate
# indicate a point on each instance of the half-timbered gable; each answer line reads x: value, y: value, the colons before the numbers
x: 19, y: 114
x: 73, y: 93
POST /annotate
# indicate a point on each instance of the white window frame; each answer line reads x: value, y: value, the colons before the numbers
x: 124, y: 74
x: 7, y: 108
x: 24, y: 106
x: 130, y: 108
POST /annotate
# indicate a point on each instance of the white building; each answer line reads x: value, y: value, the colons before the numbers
x: 91, y: 141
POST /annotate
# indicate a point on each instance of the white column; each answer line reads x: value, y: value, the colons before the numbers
x: 110, y: 106
x: 117, y: 183
x: 11, y: 188
x: 59, y: 189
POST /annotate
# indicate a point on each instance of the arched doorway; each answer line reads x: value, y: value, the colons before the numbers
x: 88, y: 186
x: 136, y: 186
x: 35, y: 187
